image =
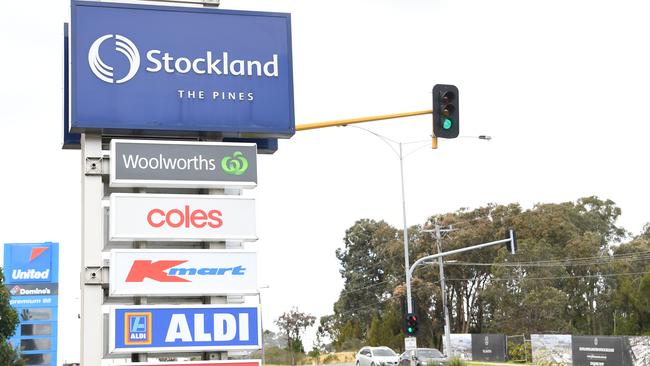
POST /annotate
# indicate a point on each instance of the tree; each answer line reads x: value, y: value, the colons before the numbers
x: 293, y: 324
x: 8, y: 322
x: 365, y: 262
x: 540, y: 289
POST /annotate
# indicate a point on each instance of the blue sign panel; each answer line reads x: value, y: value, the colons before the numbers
x: 31, y: 263
x: 184, y: 328
x: 31, y: 273
x: 188, y: 70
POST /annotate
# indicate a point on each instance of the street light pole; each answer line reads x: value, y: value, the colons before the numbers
x: 406, y: 236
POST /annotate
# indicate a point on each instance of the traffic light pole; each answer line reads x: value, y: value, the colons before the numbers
x: 439, y: 256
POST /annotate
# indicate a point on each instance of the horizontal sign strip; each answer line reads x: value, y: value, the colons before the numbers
x: 169, y: 328
x: 45, y: 289
x: 178, y: 164
x: 202, y: 363
x: 186, y: 217
x: 158, y: 272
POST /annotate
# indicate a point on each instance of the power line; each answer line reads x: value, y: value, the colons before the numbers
x: 639, y: 256
x: 555, y: 277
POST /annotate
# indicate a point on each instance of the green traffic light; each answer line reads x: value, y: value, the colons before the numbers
x: 410, y: 330
x: 447, y: 123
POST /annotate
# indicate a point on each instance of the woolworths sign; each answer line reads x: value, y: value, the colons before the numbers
x: 140, y: 163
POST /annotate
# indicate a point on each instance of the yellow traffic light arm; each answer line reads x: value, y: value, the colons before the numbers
x: 343, y: 122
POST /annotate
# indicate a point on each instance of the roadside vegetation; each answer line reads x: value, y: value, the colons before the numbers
x: 576, y: 272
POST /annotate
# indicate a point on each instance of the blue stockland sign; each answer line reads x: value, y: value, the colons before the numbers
x: 169, y: 328
x: 188, y: 70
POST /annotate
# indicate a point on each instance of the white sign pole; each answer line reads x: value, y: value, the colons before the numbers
x: 92, y: 241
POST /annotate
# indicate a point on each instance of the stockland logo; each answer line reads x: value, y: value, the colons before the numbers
x: 209, y: 63
x: 124, y: 46
x: 237, y: 164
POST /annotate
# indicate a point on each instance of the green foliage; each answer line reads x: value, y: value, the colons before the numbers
x: 561, y: 297
x: 315, y: 352
x: 519, y: 351
x: 8, y: 322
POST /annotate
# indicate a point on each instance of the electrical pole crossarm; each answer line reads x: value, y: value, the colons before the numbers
x: 455, y: 251
x: 343, y: 122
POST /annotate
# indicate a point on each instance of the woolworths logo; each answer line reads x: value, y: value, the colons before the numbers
x: 236, y: 164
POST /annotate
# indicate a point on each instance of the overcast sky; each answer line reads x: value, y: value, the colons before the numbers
x: 562, y: 86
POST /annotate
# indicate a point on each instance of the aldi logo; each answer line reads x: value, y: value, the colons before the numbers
x: 137, y: 326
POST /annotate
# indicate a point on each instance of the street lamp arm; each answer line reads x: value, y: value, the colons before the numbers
x: 455, y: 251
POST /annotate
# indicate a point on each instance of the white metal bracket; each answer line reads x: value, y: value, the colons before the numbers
x: 94, y: 166
x: 95, y: 276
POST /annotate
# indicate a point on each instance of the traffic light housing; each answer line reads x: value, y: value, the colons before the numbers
x: 411, y: 324
x: 445, y: 111
x: 512, y: 244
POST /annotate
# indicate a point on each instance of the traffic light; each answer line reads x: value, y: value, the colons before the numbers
x: 411, y: 324
x: 445, y: 111
x: 512, y: 244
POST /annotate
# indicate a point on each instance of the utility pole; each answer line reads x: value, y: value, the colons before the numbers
x: 447, y: 342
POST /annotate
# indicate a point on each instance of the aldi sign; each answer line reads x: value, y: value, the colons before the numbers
x: 179, y: 164
x: 178, y: 217
x: 170, y: 328
x: 176, y: 272
x: 159, y: 68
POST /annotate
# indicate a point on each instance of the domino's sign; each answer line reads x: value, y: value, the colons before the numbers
x: 159, y: 68
x: 169, y: 328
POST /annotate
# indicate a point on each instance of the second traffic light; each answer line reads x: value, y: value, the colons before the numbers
x: 411, y: 324
x: 445, y: 111
x: 512, y: 244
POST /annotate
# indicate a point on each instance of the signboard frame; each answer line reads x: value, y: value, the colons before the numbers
x: 588, y: 349
x: 131, y: 236
x: 159, y: 183
x: 244, y: 362
x: 112, y: 348
x: 245, y: 124
x: 149, y: 287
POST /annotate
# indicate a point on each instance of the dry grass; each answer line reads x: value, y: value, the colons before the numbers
x: 338, y: 357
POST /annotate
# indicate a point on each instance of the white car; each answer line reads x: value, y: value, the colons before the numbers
x: 377, y: 356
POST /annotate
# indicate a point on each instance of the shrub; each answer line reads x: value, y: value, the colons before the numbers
x: 519, y: 351
x: 457, y: 362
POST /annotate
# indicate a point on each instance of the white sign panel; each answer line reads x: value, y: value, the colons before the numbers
x: 159, y: 272
x: 177, y: 217
x: 183, y: 328
x: 410, y: 343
